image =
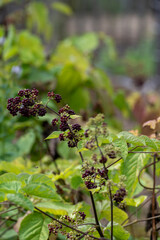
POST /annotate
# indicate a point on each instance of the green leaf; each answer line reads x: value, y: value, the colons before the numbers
x: 57, y: 208
x: 41, y: 190
x: 21, y: 201
x: 34, y: 226
x: 76, y: 181
x: 149, y: 142
x: 8, y: 177
x: 79, y: 99
x: 53, y: 135
x: 30, y: 49
x: 105, y: 212
x: 62, y: 7
x: 102, y: 81
x: 38, y: 16
x: 22, y: 177
x: 118, y: 231
x: 2, y: 197
x: 86, y: 43
x: 122, y: 145
x: 120, y: 101
x: 41, y: 178
x: 10, y: 187
x: 130, y: 138
x: 135, y: 202
x: 25, y: 143
x: 75, y: 116
x: 130, y: 168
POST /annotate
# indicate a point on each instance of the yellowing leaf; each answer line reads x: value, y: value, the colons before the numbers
x: 151, y: 124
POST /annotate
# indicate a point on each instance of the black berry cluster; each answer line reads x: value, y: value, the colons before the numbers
x: 90, y: 185
x: 54, y: 96
x: 119, y: 195
x: 82, y: 215
x: 70, y: 131
x: 26, y: 104
x: 54, y: 228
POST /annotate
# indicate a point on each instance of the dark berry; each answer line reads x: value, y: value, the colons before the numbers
x: 57, y: 98
x: 76, y: 127
x: 72, y: 144
x: 51, y: 94
x: 41, y: 111
x: 61, y: 137
x: 83, y: 215
x: 86, y: 133
x: 112, y: 154
x: 90, y: 185
x: 103, y: 159
x: 21, y: 93
x: 54, y: 122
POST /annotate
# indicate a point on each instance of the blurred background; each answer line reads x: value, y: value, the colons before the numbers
x: 101, y: 56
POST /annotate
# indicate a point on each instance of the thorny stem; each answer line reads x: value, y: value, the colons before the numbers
x: 154, y: 199
x: 64, y: 224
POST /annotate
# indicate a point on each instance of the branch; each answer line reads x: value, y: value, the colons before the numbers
x: 64, y: 224
x: 154, y: 199
x: 142, y: 205
x: 111, y: 201
x: 139, y: 175
x: 141, y: 220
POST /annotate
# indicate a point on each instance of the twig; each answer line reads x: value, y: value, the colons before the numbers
x: 142, y: 205
x: 95, y: 215
x: 52, y: 110
x: 9, y: 210
x: 139, y: 175
x: 141, y: 220
x: 111, y: 202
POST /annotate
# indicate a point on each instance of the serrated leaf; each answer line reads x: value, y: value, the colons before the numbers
x: 34, y: 226
x: 118, y: 231
x: 53, y: 135
x: 122, y: 145
x: 10, y: 187
x: 149, y: 142
x: 135, y: 202
x: 130, y: 168
x: 56, y: 208
x: 41, y: 178
x: 21, y: 201
x: 41, y: 190
x: 76, y: 181
x: 130, y: 138
x: 22, y: 177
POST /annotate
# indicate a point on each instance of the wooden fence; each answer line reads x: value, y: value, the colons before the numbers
x: 123, y: 28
